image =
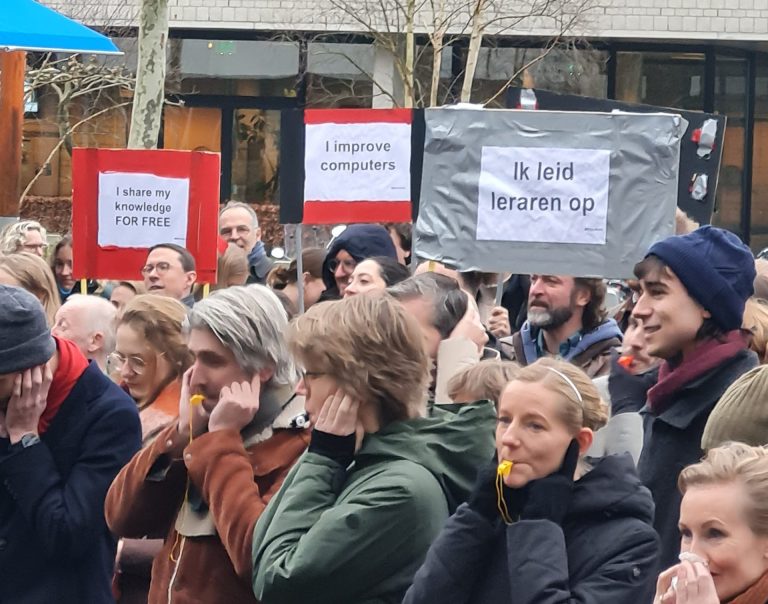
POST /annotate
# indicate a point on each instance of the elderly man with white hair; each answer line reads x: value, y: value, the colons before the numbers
x: 239, y: 225
x: 90, y: 323
x: 206, y: 479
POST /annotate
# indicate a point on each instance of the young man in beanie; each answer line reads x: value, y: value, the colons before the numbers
x: 65, y: 432
x: 693, y: 291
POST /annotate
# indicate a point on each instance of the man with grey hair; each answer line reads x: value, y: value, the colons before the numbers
x: 239, y: 225
x: 24, y: 236
x: 206, y: 479
x: 89, y: 322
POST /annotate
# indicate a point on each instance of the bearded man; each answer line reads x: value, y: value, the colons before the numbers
x: 566, y: 319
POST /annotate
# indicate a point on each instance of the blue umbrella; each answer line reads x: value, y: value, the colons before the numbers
x: 28, y: 25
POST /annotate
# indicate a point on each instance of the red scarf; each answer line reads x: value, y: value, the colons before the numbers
x: 756, y: 594
x: 72, y: 364
x: 709, y: 355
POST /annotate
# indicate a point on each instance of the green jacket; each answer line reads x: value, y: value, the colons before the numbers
x: 358, y: 535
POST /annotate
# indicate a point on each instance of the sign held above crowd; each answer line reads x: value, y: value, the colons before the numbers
x: 126, y: 201
x: 579, y: 194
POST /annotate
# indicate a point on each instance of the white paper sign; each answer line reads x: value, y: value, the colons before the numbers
x: 142, y: 210
x: 357, y: 162
x: 546, y: 195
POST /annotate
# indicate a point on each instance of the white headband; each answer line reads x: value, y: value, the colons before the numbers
x: 569, y: 382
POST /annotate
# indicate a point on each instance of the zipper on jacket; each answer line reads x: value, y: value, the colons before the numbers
x: 176, y: 570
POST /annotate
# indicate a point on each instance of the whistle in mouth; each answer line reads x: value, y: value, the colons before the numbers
x: 626, y: 360
x: 505, y: 467
x: 196, y: 399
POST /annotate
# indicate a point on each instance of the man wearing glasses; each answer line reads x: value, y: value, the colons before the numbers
x: 24, y: 236
x: 170, y: 271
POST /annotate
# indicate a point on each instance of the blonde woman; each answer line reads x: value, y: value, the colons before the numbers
x: 723, y: 530
x: 150, y: 357
x: 337, y: 532
x: 30, y: 272
x: 756, y: 322
x: 553, y: 528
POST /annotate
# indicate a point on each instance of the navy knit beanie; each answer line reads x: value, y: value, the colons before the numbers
x: 25, y: 340
x: 716, y: 268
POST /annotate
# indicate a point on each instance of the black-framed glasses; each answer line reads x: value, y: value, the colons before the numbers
x: 349, y: 265
x: 311, y: 374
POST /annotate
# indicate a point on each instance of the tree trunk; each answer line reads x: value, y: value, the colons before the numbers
x: 150, y: 76
x: 473, y: 52
x: 410, y: 53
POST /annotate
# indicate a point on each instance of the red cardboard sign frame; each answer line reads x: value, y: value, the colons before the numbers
x: 201, y: 168
x: 360, y: 211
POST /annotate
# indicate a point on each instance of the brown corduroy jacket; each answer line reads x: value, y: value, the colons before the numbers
x: 206, y: 556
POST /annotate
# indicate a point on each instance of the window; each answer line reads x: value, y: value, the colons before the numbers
x: 661, y: 78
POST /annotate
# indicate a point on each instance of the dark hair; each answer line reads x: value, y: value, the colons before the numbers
x: 390, y: 270
x: 282, y: 275
x: 187, y: 260
x: 654, y: 267
x: 404, y: 232
x: 449, y: 301
x: 594, y: 313
x: 65, y: 241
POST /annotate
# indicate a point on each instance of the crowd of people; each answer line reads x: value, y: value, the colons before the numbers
x: 368, y: 428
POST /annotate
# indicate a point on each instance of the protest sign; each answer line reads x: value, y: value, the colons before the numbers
x: 347, y: 165
x: 692, y: 164
x: 126, y: 201
x: 581, y: 194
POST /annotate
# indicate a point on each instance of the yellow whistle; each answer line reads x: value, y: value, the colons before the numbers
x: 505, y: 467
x: 196, y: 399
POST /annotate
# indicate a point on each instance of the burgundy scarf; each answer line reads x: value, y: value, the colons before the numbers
x: 709, y: 355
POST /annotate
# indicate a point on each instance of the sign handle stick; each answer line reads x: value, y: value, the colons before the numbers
x: 300, y: 268
x: 206, y: 289
x: 84, y: 286
x: 499, y: 289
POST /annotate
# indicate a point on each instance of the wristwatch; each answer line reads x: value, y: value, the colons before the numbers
x: 26, y: 441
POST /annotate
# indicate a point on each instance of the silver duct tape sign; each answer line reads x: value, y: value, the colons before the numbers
x: 583, y: 194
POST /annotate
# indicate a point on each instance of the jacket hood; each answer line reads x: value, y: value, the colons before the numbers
x: 360, y: 241
x: 612, y: 488
x: 605, y: 331
x: 451, y: 445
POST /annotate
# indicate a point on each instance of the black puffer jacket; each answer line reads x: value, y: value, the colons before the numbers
x: 606, y: 550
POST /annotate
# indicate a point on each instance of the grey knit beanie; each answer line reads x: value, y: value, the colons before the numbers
x: 25, y: 339
x: 741, y: 414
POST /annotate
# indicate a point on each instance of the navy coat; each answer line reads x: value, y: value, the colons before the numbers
x: 606, y: 550
x: 672, y: 440
x: 54, y: 543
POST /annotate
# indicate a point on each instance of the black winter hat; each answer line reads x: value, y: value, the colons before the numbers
x: 716, y: 268
x: 25, y: 339
x: 360, y: 241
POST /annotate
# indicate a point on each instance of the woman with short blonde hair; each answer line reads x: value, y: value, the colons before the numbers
x: 723, y: 529
x: 30, y: 272
x: 542, y: 525
x: 354, y: 519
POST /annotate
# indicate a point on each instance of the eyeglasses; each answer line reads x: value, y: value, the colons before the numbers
x: 160, y: 267
x: 309, y: 374
x: 349, y: 265
x: 33, y: 247
x: 135, y: 363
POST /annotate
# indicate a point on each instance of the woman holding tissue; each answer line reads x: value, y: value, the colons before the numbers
x: 545, y: 525
x: 723, y: 529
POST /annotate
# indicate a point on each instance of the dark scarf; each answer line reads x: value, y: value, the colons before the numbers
x: 708, y: 356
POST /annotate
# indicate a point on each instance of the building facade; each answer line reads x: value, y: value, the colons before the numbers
x: 234, y: 65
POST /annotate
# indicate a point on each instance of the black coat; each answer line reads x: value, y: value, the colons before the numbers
x: 54, y: 543
x: 672, y: 441
x: 606, y: 550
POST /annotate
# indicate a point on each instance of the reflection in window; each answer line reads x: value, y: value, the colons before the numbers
x: 661, y: 78
x: 255, y: 155
x: 563, y: 70
x: 340, y: 74
x: 234, y: 67
x: 759, y: 239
